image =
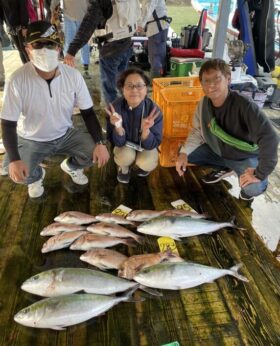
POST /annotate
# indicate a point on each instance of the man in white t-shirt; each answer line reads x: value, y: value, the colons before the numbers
x: 36, y: 118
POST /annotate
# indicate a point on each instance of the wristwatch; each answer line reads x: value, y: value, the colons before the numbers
x: 102, y: 141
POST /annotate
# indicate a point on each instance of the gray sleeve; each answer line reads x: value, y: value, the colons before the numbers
x: 195, y: 138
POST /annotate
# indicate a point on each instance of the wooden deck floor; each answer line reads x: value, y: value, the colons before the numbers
x: 226, y: 312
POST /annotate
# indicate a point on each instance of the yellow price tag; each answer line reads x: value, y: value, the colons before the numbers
x: 121, y: 210
x: 180, y: 204
x: 166, y: 243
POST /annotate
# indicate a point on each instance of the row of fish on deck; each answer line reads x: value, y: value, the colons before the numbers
x: 94, y: 234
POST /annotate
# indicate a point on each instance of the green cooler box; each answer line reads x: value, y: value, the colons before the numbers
x: 181, y: 67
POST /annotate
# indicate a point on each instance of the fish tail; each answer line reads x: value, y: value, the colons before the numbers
x: 128, y: 296
x: 138, y: 238
x: 234, y: 272
x: 129, y: 242
x: 150, y: 291
x: 234, y: 225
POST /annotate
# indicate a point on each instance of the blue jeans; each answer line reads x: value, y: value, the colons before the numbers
x: 70, y: 29
x: 75, y: 143
x: 203, y: 155
x: 157, y: 53
x: 110, y: 69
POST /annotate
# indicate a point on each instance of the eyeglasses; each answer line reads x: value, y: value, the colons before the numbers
x: 214, y: 81
x: 138, y: 86
x: 44, y: 44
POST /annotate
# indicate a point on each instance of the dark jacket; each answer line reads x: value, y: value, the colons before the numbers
x: 240, y: 117
x: 14, y: 13
x: 97, y: 14
x: 132, y: 124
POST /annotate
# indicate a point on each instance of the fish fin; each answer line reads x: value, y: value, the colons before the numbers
x: 234, y: 272
x: 150, y: 291
x: 234, y: 225
x: 139, y: 239
x: 176, y: 237
x: 128, y: 294
x: 58, y: 328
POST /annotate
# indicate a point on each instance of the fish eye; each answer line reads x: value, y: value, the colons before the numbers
x: 36, y: 277
x: 26, y: 311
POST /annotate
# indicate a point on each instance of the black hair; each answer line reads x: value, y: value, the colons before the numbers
x: 215, y: 64
x: 132, y: 70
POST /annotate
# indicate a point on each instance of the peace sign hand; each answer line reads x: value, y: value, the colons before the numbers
x: 115, y: 118
x: 148, y: 122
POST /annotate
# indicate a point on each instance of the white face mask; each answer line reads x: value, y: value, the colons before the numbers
x: 44, y: 59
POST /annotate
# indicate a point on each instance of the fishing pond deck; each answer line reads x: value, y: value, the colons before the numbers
x: 226, y: 312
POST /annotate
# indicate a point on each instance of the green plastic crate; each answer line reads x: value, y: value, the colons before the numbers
x: 180, y: 67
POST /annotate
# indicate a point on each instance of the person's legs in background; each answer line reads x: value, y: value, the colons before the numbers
x: 70, y: 29
x: 18, y: 40
x: 110, y: 68
x: 157, y: 53
x: 2, y: 71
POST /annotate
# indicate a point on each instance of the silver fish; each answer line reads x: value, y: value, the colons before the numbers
x: 60, y: 281
x: 180, y: 227
x: 177, y: 276
x: 103, y: 258
x: 113, y: 230
x: 135, y: 263
x: 143, y: 215
x: 57, y: 227
x: 90, y: 241
x: 60, y: 312
x: 61, y: 241
x: 75, y: 217
x: 111, y: 218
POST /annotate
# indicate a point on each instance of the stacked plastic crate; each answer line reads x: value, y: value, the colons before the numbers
x: 177, y: 97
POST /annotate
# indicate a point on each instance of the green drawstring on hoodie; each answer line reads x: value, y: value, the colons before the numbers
x: 217, y: 131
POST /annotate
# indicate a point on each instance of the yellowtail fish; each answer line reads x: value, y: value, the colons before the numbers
x: 60, y: 312
x: 104, y: 258
x: 75, y: 217
x: 135, y: 263
x: 60, y: 281
x: 180, y: 227
x: 177, y: 276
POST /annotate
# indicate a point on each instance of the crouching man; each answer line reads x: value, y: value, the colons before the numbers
x: 37, y: 113
x: 230, y: 133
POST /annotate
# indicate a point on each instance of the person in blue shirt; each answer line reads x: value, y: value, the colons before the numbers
x: 134, y: 126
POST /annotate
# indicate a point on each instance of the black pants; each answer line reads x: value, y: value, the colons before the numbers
x: 18, y: 41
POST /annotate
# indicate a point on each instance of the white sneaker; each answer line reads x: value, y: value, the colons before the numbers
x: 36, y: 189
x: 77, y: 175
x: 4, y: 171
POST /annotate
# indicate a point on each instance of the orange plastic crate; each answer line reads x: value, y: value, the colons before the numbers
x: 173, y: 82
x: 169, y: 150
x: 178, y: 108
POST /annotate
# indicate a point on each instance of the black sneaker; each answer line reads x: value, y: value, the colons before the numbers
x: 123, y: 177
x: 216, y: 176
x: 245, y: 197
x: 141, y: 173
